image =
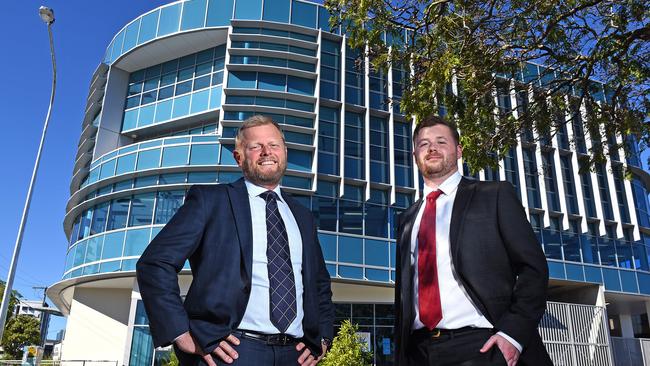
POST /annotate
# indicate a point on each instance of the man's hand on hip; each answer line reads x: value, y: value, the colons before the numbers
x: 306, y: 358
x: 224, y: 351
x: 509, y: 351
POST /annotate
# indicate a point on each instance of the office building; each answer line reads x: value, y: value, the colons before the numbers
x: 164, y: 106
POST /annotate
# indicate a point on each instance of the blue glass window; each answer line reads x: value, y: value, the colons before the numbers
x: 376, y: 220
x: 175, y: 155
x: 113, y: 245
x: 403, y: 154
x: 328, y: 246
x: 125, y: 164
x: 299, y: 160
x: 379, y: 150
x: 148, y: 159
x: 193, y: 14
x: 141, y: 209
x: 200, y: 101
x: 80, y: 252
x: 276, y: 10
x: 131, y: 35
x: 94, y: 249
x: 248, y: 9
x: 532, y: 184
x: 351, y: 217
x: 325, y: 211
x: 354, y: 146
x: 240, y: 79
x: 148, y: 26
x: 376, y: 253
x: 167, y: 204
x: 99, y: 218
x: 272, y: 81
x: 550, y: 180
x: 300, y: 85
x: 108, y: 169
x: 219, y: 12
x: 350, y: 249
x: 117, y: 46
x: 296, y: 182
x: 169, y: 19
x: 136, y: 241
x: 226, y: 155
x: 204, y: 154
x: 146, y: 115
x: 304, y: 14
x: 163, y: 111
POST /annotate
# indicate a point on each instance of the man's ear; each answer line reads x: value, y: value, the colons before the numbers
x: 459, y: 151
x: 237, y: 155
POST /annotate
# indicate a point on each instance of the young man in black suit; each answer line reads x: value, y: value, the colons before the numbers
x: 260, y: 292
x: 471, y: 277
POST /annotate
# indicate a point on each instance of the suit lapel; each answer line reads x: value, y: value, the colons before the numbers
x: 405, y: 252
x: 461, y: 203
x: 241, y: 210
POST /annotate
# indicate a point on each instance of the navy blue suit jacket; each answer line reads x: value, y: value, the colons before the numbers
x: 213, y: 229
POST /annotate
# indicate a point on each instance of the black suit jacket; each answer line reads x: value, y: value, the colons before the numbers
x: 497, y: 259
x: 213, y: 229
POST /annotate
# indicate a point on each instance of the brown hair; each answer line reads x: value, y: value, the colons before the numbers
x: 433, y: 120
x: 254, y: 121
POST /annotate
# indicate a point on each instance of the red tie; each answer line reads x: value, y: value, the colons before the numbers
x: 428, y: 289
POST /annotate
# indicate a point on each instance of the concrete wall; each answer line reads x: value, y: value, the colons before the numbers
x: 97, y: 327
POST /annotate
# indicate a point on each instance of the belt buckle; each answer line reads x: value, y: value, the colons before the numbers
x: 435, y: 333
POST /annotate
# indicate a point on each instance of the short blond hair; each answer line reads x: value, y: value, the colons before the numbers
x: 254, y: 121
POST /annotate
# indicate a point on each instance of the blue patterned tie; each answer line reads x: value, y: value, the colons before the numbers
x: 282, y: 286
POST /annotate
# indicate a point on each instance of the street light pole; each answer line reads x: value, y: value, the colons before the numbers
x: 47, y: 15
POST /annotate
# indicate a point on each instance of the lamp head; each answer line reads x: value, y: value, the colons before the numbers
x: 46, y: 14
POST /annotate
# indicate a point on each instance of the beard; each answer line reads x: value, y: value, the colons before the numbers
x: 438, y: 168
x: 258, y: 176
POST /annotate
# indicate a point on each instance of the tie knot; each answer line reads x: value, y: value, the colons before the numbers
x: 434, y: 195
x: 269, y: 196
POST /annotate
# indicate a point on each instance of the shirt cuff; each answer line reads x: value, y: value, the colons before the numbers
x: 511, y: 340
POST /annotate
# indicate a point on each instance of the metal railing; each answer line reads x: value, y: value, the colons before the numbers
x: 576, y: 334
x: 631, y: 351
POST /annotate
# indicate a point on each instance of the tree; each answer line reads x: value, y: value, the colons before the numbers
x: 347, y: 349
x: 13, y: 301
x: 20, y: 331
x: 469, y: 56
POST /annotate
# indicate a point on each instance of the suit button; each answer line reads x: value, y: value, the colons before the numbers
x: 247, y: 289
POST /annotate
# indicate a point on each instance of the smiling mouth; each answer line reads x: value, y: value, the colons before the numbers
x: 267, y: 162
x: 433, y: 157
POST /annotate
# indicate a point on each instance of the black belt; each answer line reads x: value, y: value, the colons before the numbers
x: 269, y: 339
x: 445, y: 334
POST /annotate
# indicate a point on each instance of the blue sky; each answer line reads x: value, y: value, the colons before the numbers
x: 82, y: 31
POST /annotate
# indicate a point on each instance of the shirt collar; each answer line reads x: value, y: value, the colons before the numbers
x: 255, y: 190
x: 447, y: 187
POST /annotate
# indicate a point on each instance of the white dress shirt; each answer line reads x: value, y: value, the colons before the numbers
x: 458, y: 310
x: 257, y: 315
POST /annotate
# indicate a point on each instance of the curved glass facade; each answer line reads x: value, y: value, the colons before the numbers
x: 171, y: 122
x: 351, y: 161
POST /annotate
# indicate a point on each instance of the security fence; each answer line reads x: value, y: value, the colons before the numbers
x: 576, y: 335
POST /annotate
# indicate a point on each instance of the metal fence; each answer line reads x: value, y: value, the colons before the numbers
x: 576, y: 335
x: 631, y: 351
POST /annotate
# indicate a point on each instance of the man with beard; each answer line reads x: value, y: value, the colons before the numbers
x: 471, y: 277
x: 260, y: 292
